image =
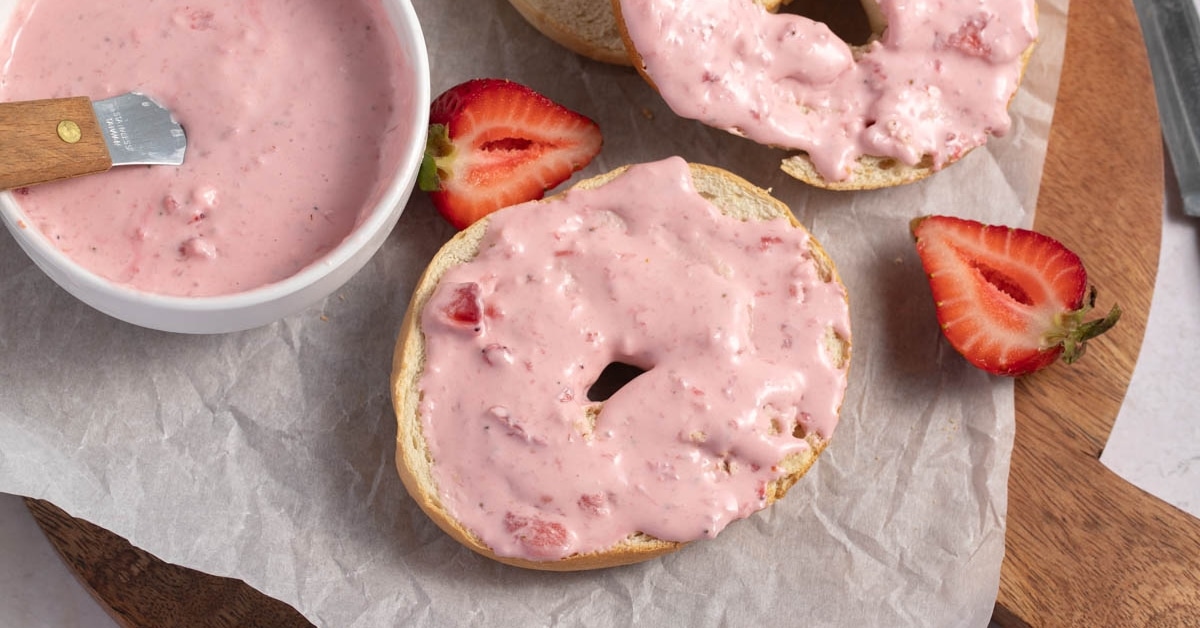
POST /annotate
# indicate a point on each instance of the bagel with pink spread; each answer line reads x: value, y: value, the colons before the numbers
x: 933, y: 81
x: 730, y: 313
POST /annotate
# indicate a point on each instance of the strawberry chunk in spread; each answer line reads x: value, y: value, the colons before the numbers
x: 462, y: 306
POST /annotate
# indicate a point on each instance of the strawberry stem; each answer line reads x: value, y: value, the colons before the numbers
x: 437, y: 147
x: 1078, y: 332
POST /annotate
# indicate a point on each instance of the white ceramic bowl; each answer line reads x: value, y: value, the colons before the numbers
x: 253, y: 308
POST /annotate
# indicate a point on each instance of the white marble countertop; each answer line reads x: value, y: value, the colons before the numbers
x: 1155, y: 442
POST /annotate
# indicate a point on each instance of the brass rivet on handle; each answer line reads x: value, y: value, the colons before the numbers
x: 69, y: 132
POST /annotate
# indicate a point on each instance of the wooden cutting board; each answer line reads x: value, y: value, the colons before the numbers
x: 1084, y: 548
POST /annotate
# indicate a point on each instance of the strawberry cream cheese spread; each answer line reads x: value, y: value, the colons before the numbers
x: 287, y: 108
x: 727, y: 318
x: 935, y: 85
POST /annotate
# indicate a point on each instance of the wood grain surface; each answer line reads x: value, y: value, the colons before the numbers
x: 1084, y: 548
x: 31, y: 150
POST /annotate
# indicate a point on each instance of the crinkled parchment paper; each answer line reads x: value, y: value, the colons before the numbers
x: 268, y: 455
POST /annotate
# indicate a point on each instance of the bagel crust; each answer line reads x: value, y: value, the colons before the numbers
x: 497, y: 441
x: 923, y: 92
x: 585, y: 27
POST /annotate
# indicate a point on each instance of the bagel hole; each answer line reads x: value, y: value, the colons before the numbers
x: 848, y: 20
x: 611, y: 379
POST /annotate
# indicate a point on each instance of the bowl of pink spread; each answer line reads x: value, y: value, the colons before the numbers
x: 305, y: 121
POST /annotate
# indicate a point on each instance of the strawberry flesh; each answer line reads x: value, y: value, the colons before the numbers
x: 542, y: 538
x: 463, y: 306
x: 1011, y: 301
x: 969, y: 38
x: 494, y: 143
x: 595, y: 504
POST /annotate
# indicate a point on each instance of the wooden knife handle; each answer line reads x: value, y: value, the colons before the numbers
x: 47, y: 140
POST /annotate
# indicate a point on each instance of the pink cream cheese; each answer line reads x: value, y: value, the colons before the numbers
x: 287, y: 107
x: 726, y: 317
x: 937, y: 83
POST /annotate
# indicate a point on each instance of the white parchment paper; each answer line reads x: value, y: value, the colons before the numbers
x: 268, y: 455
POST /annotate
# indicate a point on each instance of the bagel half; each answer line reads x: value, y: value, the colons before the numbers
x: 734, y: 197
x: 596, y: 30
x: 870, y: 171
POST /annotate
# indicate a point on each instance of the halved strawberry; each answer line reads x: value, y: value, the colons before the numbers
x: 1011, y: 301
x: 494, y: 143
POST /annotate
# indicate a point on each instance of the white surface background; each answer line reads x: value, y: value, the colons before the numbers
x: 1155, y: 444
